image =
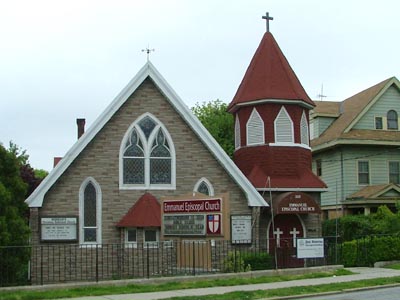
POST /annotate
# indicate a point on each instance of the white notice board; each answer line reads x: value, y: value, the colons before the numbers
x: 310, y: 248
x: 241, y: 229
x: 59, y: 229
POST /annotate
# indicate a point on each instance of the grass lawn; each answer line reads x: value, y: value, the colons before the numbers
x: 142, y: 288
x: 393, y: 266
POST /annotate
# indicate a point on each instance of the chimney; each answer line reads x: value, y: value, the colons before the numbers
x: 81, y: 127
x: 56, y: 161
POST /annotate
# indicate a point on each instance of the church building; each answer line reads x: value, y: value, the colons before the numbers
x: 147, y: 171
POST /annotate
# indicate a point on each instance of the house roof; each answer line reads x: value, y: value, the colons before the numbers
x: 146, y: 212
x: 350, y: 111
x: 326, y: 109
x: 269, y: 77
x: 148, y: 70
x: 374, y: 191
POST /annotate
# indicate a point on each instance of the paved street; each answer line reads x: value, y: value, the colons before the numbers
x: 392, y: 293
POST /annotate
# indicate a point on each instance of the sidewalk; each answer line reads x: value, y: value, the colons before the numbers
x: 362, y: 273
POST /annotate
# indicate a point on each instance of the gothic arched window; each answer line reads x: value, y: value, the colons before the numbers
x: 147, y: 157
x: 204, y: 186
x: 90, y: 212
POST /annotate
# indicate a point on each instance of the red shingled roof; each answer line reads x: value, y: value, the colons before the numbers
x: 146, y: 212
x: 287, y: 167
x: 269, y: 76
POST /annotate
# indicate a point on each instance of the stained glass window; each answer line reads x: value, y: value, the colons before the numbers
x: 147, y: 157
x: 89, y: 207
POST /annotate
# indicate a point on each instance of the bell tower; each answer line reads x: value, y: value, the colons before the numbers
x: 271, y: 110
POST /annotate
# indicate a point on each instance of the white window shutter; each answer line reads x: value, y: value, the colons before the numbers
x: 283, y: 127
x: 255, y: 129
x: 304, y: 130
x: 237, y: 132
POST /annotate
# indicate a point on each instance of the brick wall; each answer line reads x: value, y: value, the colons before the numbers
x: 100, y: 160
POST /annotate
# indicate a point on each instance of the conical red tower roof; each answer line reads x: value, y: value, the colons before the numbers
x: 269, y: 77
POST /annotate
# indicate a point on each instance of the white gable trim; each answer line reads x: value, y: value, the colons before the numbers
x: 148, y: 70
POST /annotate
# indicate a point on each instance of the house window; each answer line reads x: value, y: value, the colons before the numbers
x: 283, y: 127
x: 151, y: 238
x: 378, y: 123
x: 394, y: 172
x: 363, y: 172
x: 237, y: 132
x: 90, y: 212
x: 304, y: 130
x: 204, y: 186
x: 131, y: 237
x: 147, y: 158
x: 392, y: 121
x: 318, y: 163
x: 255, y: 129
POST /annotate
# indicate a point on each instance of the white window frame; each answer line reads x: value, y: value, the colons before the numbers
x: 358, y: 172
x: 304, y: 131
x: 130, y: 244
x: 255, y: 130
x: 396, y: 120
x: 207, y: 182
x: 98, y: 211
x: 237, y: 132
x: 382, y: 121
x: 152, y: 244
x: 283, y: 114
x: 147, y: 144
x: 392, y: 161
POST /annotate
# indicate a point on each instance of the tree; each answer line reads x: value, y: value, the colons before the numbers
x: 214, y: 116
x: 14, y: 230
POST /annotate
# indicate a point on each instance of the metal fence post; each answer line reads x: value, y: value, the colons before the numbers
x: 194, y: 259
x: 148, y: 261
x: 97, y: 263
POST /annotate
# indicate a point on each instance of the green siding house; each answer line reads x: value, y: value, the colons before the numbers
x: 356, y: 150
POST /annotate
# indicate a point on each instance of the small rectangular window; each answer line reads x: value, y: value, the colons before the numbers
x: 151, y: 238
x: 394, y: 172
x: 378, y: 123
x: 131, y: 235
x: 319, y: 167
x: 363, y: 172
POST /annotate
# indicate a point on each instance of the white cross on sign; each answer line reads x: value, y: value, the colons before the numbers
x: 278, y: 234
x: 294, y: 233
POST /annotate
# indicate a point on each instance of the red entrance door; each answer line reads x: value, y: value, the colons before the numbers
x: 282, y: 239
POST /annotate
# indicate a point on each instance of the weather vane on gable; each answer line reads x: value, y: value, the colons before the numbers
x: 148, y: 50
x: 267, y: 18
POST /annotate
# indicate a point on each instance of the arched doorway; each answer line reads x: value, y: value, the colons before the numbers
x: 282, y: 238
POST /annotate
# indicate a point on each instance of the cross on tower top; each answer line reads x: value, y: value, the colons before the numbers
x: 267, y: 18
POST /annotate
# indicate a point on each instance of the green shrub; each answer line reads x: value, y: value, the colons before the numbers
x: 367, y: 251
x: 234, y: 262
x: 258, y: 261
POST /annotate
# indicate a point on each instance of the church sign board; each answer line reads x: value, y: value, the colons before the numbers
x: 59, y: 229
x: 310, y: 248
x: 241, y: 229
x: 297, y: 203
x: 192, y: 217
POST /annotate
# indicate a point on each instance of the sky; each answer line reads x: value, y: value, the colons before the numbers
x: 63, y: 60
